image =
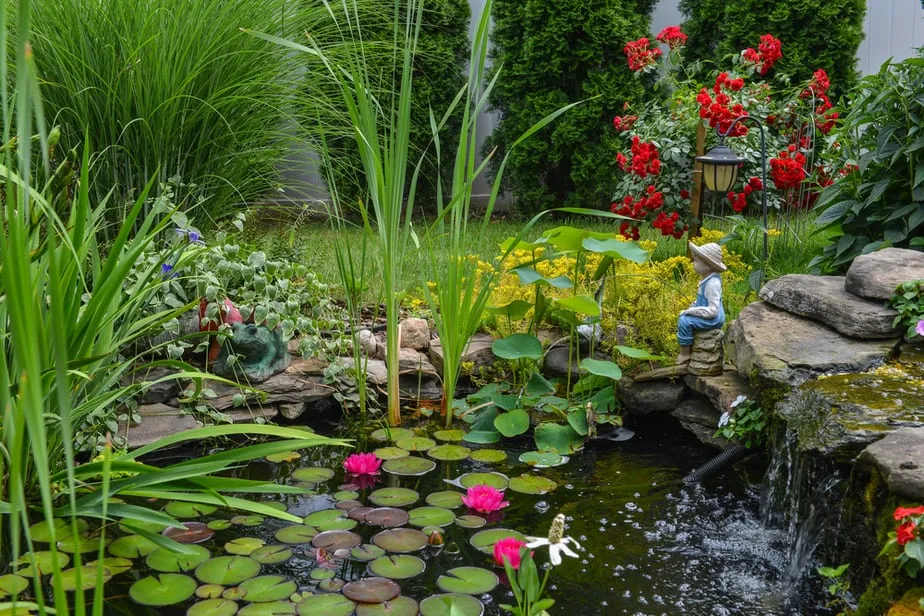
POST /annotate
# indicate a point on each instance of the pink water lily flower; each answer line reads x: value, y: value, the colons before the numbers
x: 484, y: 499
x: 362, y: 464
x: 508, y: 549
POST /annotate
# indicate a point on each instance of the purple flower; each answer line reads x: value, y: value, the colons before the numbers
x: 920, y: 328
x: 194, y: 237
x: 190, y: 234
x: 166, y: 270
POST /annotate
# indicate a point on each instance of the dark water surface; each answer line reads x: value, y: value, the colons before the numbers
x: 651, y: 545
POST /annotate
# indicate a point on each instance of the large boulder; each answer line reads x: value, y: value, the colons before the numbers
x: 900, y: 458
x: 414, y: 334
x: 157, y: 421
x: 478, y: 352
x: 875, y: 275
x: 702, y: 419
x: 721, y: 390
x: 824, y: 299
x: 773, y: 345
x: 648, y: 397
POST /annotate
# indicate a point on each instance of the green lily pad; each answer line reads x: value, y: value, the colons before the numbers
x: 447, y: 499
x: 484, y: 540
x: 266, y: 588
x: 468, y: 581
x: 495, y: 480
x: 540, y: 459
x: 561, y: 438
x: 219, y: 524
x: 11, y: 584
x: 512, y: 423
x: 451, y: 605
x: 388, y: 517
x: 345, y: 495
x: 367, y: 552
x: 168, y: 561
x: 394, y: 497
x: 415, y: 443
x: 399, y: 606
x: 247, y: 520
x: 431, y: 516
x: 321, y: 574
x: 312, y: 474
x: 323, y: 516
x: 130, y: 526
x: 333, y: 540
x: 371, y: 590
x: 243, y: 546
x: 180, y: 509
x: 227, y: 570
x: 132, y: 546
x: 390, y: 453
x: 400, y: 540
x: 295, y: 534
x: 449, y: 453
x: 483, y: 437
x: 383, y: 435
x: 210, y: 591
x: 489, y: 456
x: 274, y: 608
x: 163, y: 589
x: 470, y: 521
x: 191, y: 532
x: 81, y: 544
x: 449, y: 436
x: 68, y: 578
x: 411, y: 466
x: 532, y: 484
x: 397, y: 567
x: 333, y: 584
x: 41, y: 562
x: 284, y: 456
x: 329, y: 605
x: 235, y: 593
x: 212, y: 607
x: 272, y: 554
x: 41, y: 531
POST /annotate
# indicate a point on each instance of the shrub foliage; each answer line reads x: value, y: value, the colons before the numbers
x: 555, y: 52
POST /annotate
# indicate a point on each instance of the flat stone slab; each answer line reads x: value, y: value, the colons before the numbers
x: 667, y: 372
x: 900, y: 458
x: 775, y: 345
x: 824, y: 299
x: 702, y: 419
x: 478, y: 352
x: 157, y: 421
x: 876, y: 274
x: 721, y: 390
x: 291, y: 386
x: 649, y: 397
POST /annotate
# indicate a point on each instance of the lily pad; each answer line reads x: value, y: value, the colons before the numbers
x: 399, y: 606
x: 411, y: 466
x: 295, y: 534
x: 532, y: 484
x: 431, y: 516
x: 191, y: 532
x: 235, y: 593
x: 243, y: 546
x: 390, y: 453
x: 210, y: 591
x: 227, y: 570
x: 333, y: 584
x: 274, y: 608
x: 383, y: 435
x: 321, y: 574
x: 393, y: 497
x: 543, y: 459
x: 266, y: 588
x: 397, y: 567
x: 329, y: 605
x: 489, y: 456
x: 451, y: 605
x: 449, y: 436
x: 247, y: 520
x: 371, y: 590
x: 449, y: 453
x: 415, y: 443
x: 400, y: 540
x: 367, y: 552
x: 218, y: 524
x: 561, y: 438
x: 470, y: 521
x: 169, y: 561
x: 163, y: 589
x: 484, y: 540
x: 387, y: 517
x: 11, y: 584
x: 40, y: 561
x: 283, y: 456
x: 447, y: 499
x: 346, y: 495
x: 468, y: 581
x: 483, y: 437
x: 359, y: 513
x: 41, y: 531
x: 212, y: 607
x: 312, y: 474
x: 323, y: 516
x: 333, y: 540
x: 68, y: 578
x: 495, y: 480
x: 272, y: 554
x: 180, y: 509
x: 512, y: 423
x: 81, y: 544
x: 348, y: 506
x: 130, y: 526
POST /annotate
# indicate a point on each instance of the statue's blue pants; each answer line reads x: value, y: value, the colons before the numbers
x: 686, y: 324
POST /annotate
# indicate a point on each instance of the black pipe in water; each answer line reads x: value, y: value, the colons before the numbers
x: 716, y: 464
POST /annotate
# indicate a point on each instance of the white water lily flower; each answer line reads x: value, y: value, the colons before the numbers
x: 556, y: 541
x: 724, y: 419
x: 738, y: 401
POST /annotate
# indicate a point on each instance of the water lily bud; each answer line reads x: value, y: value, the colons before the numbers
x: 435, y: 538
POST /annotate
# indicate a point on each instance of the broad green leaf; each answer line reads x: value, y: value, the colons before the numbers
x: 559, y: 438
x: 515, y: 310
x: 601, y: 367
x: 518, y: 346
x: 637, y: 353
x: 580, y: 304
x: 616, y: 248
x: 512, y: 423
x: 529, y: 276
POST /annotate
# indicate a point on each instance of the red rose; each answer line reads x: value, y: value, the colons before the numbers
x: 684, y: 193
x: 904, y: 512
x: 905, y: 532
x: 672, y: 37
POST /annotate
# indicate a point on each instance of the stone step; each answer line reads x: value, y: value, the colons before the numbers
x: 824, y: 299
x: 875, y: 275
x: 783, y: 348
x: 900, y: 458
x: 721, y: 390
x: 702, y: 419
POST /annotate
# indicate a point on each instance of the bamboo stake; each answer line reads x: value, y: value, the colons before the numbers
x: 696, y: 195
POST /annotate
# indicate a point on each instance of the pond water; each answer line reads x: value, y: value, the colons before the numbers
x: 651, y: 545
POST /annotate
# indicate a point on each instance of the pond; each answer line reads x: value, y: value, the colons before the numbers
x: 651, y: 545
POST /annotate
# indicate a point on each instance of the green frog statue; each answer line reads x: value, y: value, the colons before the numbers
x: 706, y: 312
x: 260, y: 353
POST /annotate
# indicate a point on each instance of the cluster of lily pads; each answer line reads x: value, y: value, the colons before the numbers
x: 349, y: 557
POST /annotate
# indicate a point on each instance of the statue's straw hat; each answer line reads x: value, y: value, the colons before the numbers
x: 710, y: 253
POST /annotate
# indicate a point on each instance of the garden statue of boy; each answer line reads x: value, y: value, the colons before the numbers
x: 707, y: 311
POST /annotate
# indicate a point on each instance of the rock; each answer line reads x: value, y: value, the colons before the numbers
x: 824, y: 299
x: 773, y: 345
x: 157, y: 421
x: 414, y: 334
x: 293, y: 410
x: 899, y: 456
x: 285, y: 387
x: 376, y: 371
x: 702, y: 419
x: 368, y: 342
x: 667, y: 372
x: 252, y: 414
x: 314, y: 366
x: 478, y: 352
x: 155, y: 393
x: 876, y: 274
x: 557, y: 359
x: 419, y: 387
x: 260, y: 353
x: 411, y: 361
x: 648, y: 397
x: 720, y: 390
x: 707, y: 352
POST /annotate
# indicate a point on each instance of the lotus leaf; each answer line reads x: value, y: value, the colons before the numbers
x: 371, y: 590
x: 397, y: 567
x: 394, y: 497
x: 243, y: 546
x: 532, y: 484
x: 431, y: 516
x: 213, y: 607
x: 415, y: 443
x: 399, y: 606
x: 451, y: 605
x: 328, y: 605
x: 181, y: 509
x: 266, y: 588
x: 410, y: 466
x: 227, y: 570
x: 448, y: 499
x: 168, y: 561
x: 400, y: 540
x: 163, y: 589
x: 467, y: 580
x: 449, y: 453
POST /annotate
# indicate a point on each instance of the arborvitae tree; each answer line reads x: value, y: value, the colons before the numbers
x: 815, y: 34
x: 552, y: 53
